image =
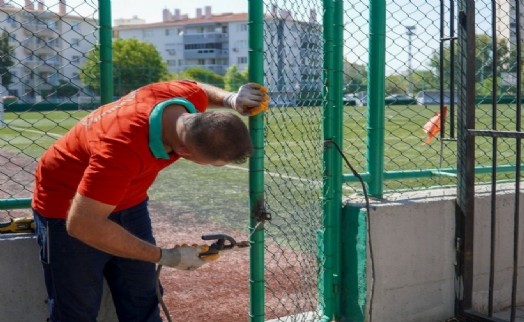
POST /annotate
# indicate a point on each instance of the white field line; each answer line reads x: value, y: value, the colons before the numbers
x: 271, y: 174
x: 283, y: 176
x: 55, y: 135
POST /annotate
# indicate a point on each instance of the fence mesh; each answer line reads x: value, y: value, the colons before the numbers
x: 293, y: 55
x: 42, y: 49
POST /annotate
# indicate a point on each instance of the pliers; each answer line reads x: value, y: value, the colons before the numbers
x: 223, y: 242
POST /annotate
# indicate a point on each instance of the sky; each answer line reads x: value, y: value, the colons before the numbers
x: 151, y: 10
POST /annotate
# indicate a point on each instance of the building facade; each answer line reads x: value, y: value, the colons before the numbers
x: 506, y: 16
x: 292, y: 47
x: 214, y: 42
x: 48, y: 47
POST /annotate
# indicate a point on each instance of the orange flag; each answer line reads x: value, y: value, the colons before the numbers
x: 432, y: 127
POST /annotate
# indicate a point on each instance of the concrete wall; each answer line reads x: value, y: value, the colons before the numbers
x: 22, y: 290
x: 412, y: 237
x: 413, y: 243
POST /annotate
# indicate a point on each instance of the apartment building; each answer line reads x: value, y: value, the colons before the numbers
x: 48, y: 46
x: 214, y: 42
x: 506, y: 15
x: 293, y: 53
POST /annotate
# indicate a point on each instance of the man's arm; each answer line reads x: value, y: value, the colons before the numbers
x: 88, y: 221
x: 215, y: 95
x: 250, y: 99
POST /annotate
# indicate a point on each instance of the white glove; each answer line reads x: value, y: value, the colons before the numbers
x: 186, y: 257
x: 250, y: 99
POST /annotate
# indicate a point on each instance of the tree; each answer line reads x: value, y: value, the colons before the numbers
x: 234, y: 79
x: 135, y: 64
x: 483, y: 58
x: 424, y: 80
x: 6, y: 60
x: 65, y: 89
x: 396, y: 83
x: 203, y: 75
x: 355, y: 77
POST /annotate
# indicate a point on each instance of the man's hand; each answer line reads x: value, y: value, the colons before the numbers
x: 250, y: 99
x: 186, y: 257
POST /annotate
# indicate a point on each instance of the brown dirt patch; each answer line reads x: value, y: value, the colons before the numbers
x: 219, y: 291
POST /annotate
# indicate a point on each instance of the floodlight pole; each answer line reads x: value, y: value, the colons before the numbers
x: 410, y: 32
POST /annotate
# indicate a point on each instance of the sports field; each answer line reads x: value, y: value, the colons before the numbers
x: 189, y: 200
x: 292, y: 136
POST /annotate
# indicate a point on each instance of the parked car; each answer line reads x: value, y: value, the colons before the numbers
x: 432, y: 97
x: 352, y: 100
x: 9, y: 99
x: 400, y: 99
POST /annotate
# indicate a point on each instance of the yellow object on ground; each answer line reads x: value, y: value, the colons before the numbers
x: 18, y: 225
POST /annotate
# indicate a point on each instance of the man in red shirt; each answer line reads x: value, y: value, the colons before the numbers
x: 90, y: 196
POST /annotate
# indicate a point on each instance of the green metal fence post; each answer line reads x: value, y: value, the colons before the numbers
x: 376, y: 96
x: 256, y: 165
x: 338, y: 91
x: 106, y: 52
x: 329, y: 281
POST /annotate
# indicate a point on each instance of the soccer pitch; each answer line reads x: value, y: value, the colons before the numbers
x: 293, y: 152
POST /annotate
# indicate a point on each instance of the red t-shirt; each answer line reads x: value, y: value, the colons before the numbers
x: 107, y: 156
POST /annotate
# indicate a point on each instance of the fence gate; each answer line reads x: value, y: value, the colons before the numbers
x: 488, y: 289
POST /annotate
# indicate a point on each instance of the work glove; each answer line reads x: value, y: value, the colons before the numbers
x: 250, y: 99
x: 186, y: 257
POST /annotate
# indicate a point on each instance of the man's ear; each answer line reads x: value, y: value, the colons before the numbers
x: 182, y: 151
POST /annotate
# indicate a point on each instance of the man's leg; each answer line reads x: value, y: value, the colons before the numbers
x: 132, y: 282
x: 73, y: 272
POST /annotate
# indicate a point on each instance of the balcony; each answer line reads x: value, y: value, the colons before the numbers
x: 205, y: 53
x: 203, y: 38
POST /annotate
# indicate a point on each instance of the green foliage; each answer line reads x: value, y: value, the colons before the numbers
x: 6, y: 60
x: 203, y: 75
x: 234, y: 79
x: 65, y: 89
x: 135, y: 64
x: 396, y: 83
x: 483, y: 58
x: 355, y: 77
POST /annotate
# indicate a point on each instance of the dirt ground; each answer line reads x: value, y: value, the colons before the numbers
x: 216, y: 292
x: 219, y: 291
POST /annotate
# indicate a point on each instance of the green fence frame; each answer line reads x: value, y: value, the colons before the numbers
x: 106, y: 78
x: 256, y: 168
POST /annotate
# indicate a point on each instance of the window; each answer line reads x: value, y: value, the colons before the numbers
x: 171, y: 62
x: 167, y: 32
x: 201, y: 62
x: 242, y: 27
x: 242, y: 60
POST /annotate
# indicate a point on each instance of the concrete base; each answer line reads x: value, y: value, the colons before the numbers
x: 22, y: 292
x: 413, y: 243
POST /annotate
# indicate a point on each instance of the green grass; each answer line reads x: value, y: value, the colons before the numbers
x: 293, y: 157
x: 32, y: 132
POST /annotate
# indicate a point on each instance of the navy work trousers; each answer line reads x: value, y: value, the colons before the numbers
x: 74, y: 272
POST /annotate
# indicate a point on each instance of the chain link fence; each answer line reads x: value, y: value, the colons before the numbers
x: 420, y: 58
x: 42, y: 48
x: 293, y: 55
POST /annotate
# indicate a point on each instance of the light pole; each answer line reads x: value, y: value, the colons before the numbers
x: 410, y: 32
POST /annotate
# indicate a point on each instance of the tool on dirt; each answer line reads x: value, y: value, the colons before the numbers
x: 18, y: 225
x: 223, y: 242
